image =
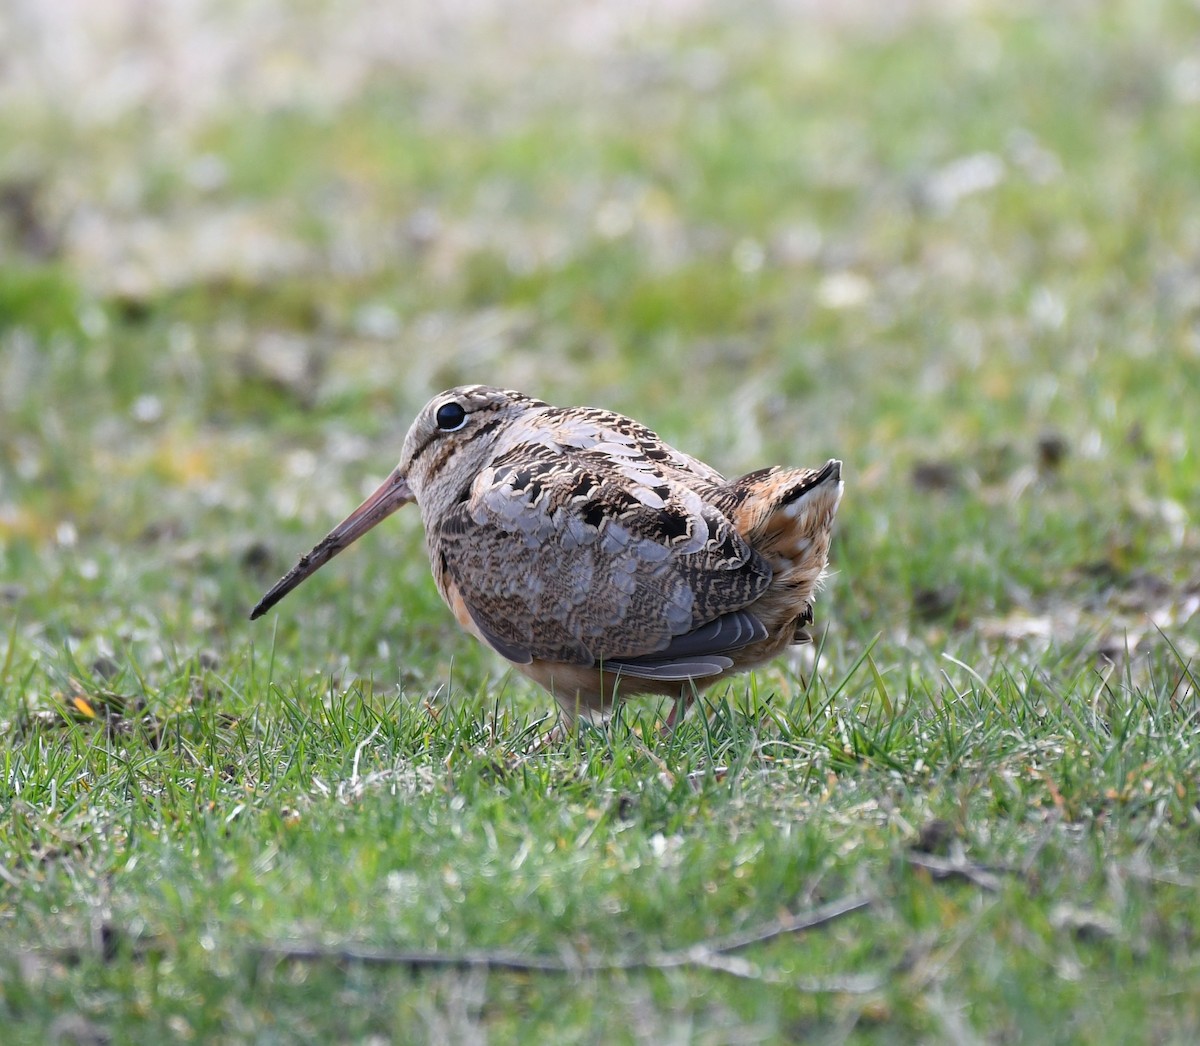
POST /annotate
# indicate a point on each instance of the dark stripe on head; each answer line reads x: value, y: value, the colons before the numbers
x: 462, y: 437
x: 448, y: 450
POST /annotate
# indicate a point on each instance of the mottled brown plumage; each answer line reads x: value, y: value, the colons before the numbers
x: 596, y: 558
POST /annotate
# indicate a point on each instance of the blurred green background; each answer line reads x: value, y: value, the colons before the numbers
x: 241, y: 247
x: 953, y: 245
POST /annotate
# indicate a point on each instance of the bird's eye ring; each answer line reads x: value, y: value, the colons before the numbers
x: 450, y: 417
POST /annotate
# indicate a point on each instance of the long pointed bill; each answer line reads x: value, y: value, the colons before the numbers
x: 393, y: 493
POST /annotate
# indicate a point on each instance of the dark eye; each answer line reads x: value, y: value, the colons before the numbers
x: 450, y: 416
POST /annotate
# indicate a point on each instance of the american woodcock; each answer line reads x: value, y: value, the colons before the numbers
x: 596, y: 558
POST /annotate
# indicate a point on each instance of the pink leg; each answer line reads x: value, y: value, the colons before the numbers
x: 684, y: 702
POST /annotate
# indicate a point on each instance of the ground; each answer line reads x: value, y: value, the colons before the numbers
x: 952, y: 244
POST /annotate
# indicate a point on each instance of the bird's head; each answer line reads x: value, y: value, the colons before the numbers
x: 447, y: 445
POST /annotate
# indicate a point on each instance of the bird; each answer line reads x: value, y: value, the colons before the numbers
x: 594, y: 557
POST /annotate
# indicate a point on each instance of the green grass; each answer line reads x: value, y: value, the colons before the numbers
x: 743, y: 229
